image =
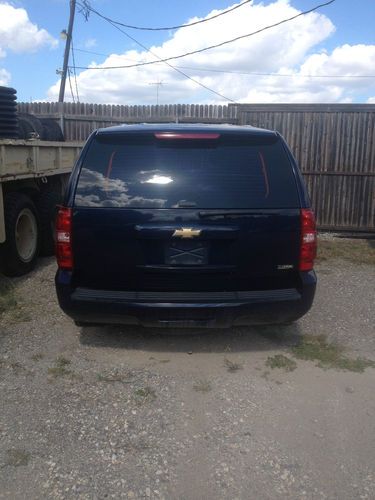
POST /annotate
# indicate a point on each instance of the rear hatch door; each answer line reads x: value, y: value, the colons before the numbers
x: 186, y: 212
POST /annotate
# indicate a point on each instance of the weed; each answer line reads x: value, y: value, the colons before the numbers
x: 231, y: 366
x: 282, y: 362
x: 356, y: 251
x: 17, y: 457
x: 145, y: 393
x: 7, y: 295
x: 328, y: 355
x: 61, y: 361
x: 38, y: 356
x: 60, y: 370
x: 20, y: 314
x: 202, y: 386
x: 17, y: 367
x: 357, y: 365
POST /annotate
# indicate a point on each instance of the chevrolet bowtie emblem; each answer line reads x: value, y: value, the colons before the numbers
x: 186, y: 232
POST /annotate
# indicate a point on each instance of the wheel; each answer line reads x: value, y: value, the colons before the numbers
x: 20, y: 250
x: 47, y: 209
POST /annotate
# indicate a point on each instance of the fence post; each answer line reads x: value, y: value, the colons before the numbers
x: 61, y: 113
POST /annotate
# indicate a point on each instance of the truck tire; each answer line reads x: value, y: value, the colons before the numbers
x: 33, y: 122
x: 47, y: 209
x: 20, y: 250
x: 24, y: 130
x: 51, y: 130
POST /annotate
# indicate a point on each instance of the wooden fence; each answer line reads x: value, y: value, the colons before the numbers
x: 334, y: 144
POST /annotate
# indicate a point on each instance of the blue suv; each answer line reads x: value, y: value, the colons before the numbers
x: 185, y: 225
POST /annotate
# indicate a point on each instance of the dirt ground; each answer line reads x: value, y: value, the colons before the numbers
x: 247, y: 413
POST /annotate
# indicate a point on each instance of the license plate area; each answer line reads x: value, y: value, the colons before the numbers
x: 186, y: 253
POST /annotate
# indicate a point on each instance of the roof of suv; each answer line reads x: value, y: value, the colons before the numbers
x: 186, y: 127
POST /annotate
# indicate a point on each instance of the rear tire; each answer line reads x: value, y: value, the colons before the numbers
x: 20, y: 250
x: 47, y: 208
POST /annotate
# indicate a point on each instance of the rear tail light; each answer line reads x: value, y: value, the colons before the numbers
x: 308, y: 240
x: 64, y: 253
x: 186, y: 135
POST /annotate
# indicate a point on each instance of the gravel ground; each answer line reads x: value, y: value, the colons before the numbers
x: 111, y: 412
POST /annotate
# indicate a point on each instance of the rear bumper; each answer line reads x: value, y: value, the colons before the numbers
x: 185, y: 309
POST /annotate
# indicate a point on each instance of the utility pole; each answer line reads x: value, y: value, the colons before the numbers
x: 67, y: 50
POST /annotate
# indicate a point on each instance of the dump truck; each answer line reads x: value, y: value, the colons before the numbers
x: 33, y: 176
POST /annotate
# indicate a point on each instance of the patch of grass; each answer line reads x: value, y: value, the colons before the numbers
x: 38, y: 356
x: 145, y: 393
x: 7, y: 295
x: 60, y: 370
x: 329, y: 355
x: 17, y: 367
x: 21, y: 314
x: 62, y: 361
x: 16, y: 457
x: 357, y: 365
x: 282, y: 362
x: 202, y: 386
x: 356, y: 251
x: 231, y: 366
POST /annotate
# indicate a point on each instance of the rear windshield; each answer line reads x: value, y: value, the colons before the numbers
x: 144, y: 172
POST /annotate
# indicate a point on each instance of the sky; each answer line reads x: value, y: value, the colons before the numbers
x: 325, y: 56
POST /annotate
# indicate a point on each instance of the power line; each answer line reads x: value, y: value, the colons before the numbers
x: 273, y: 74
x: 91, y: 52
x: 168, y: 64
x: 205, y: 48
x: 74, y: 70
x: 88, y: 8
x: 101, y: 54
x: 236, y: 72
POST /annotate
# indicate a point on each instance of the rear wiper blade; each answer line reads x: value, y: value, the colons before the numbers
x: 216, y: 213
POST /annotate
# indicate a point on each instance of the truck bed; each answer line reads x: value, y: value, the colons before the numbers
x: 20, y: 159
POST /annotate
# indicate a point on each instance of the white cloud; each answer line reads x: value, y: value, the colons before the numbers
x: 90, y: 43
x: 329, y: 87
x: 4, y: 77
x: 286, y: 49
x: 371, y: 100
x: 19, y: 34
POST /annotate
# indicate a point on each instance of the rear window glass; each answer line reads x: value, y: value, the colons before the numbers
x: 144, y: 172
